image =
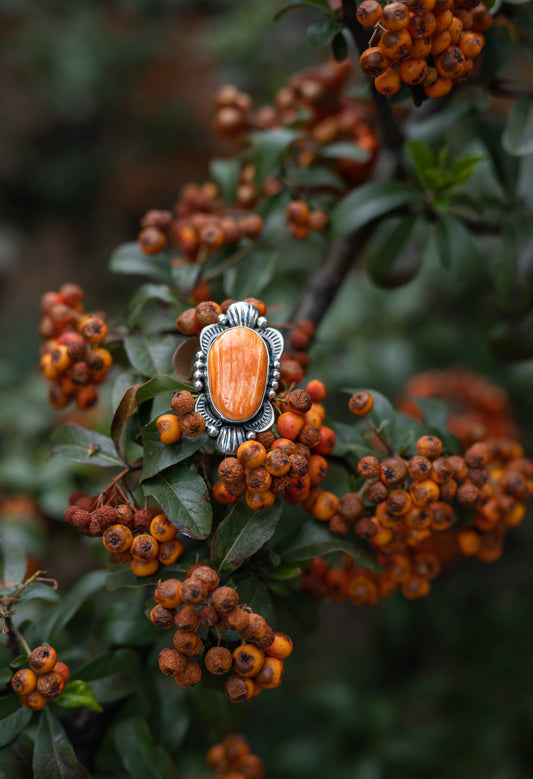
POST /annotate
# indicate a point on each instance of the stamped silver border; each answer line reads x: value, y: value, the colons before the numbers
x: 231, y: 435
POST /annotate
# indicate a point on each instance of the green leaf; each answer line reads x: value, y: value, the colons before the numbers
x: 141, y: 757
x: 159, y: 385
x: 241, y: 535
x: 158, y: 456
x: 340, y: 46
x: 13, y: 563
x: 129, y: 258
x: 225, y: 174
x: 269, y: 148
x: 150, y: 354
x: 462, y: 169
x: 290, y: 4
x: 368, y: 202
x: 345, y: 150
x: 146, y: 294
x: 321, y: 33
x: 13, y: 718
x: 396, y: 256
x: 517, y: 137
x: 40, y: 591
x: 506, y: 281
x: 423, y: 160
x: 455, y: 244
x: 315, y: 539
x: 112, y: 675
x: 184, y: 497
x: 120, y: 422
x: 84, y: 446
x: 251, y: 275
x: 53, y: 756
x: 16, y: 758
x: 78, y: 693
x: 84, y: 588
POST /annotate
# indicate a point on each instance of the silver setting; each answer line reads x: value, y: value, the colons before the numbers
x: 230, y: 434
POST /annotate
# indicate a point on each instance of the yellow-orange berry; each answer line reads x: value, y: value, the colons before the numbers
x: 395, y: 16
x: 369, y: 12
x: 144, y: 547
x: 162, y: 529
x: 170, y: 551
x: 251, y: 454
x: 373, y: 61
x: 50, y: 684
x: 281, y: 647
x: 413, y: 71
x: 168, y: 593
x: 168, y: 428
x: 144, y: 567
x: 239, y: 689
x: 325, y: 506
x: 247, y: 660
x: 42, y: 659
x: 389, y: 82
x: 259, y: 501
x: 24, y: 681
x: 271, y: 674
x: 34, y: 701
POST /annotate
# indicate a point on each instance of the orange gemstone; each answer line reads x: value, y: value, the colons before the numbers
x: 238, y: 373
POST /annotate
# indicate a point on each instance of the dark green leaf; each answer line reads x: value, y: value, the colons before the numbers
x: 120, y: 422
x: 225, y: 174
x: 507, y: 269
x: 517, y: 137
x: 125, y: 623
x: 315, y: 4
x: 130, y: 259
x: 314, y: 539
x: 455, y: 244
x: 463, y: 168
x: 150, y: 354
x: 141, y: 757
x: 16, y: 758
x: 84, y: 588
x: 53, y: 756
x: 122, y: 577
x: 13, y: 718
x: 339, y: 45
x: 251, y: 275
x: 159, y: 385
x: 78, y: 693
x: 158, y: 456
x: 368, y: 202
x: 84, y: 446
x: 14, y: 563
x: 345, y: 150
x: 184, y: 498
x: 396, y: 256
x: 146, y: 294
x: 423, y: 160
x: 241, y: 535
x: 40, y: 591
x: 112, y: 675
x: 321, y: 33
x: 269, y: 148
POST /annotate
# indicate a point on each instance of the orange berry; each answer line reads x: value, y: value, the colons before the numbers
x: 443, y: 21
x: 260, y: 500
x: 162, y: 529
x: 221, y: 494
x: 455, y: 29
x: 420, y: 48
x: 327, y: 441
x: 361, y: 403
x: 144, y: 547
x: 144, y: 567
x: 395, y: 16
x: 413, y: 71
x: 281, y: 647
x: 325, y: 506
x: 316, y: 388
x: 297, y: 212
x: 251, y: 454
x: 24, y: 681
x: 289, y: 424
x: 170, y: 551
x: 271, y: 674
x: 34, y: 701
x: 388, y: 83
x: 440, y: 42
x: 368, y: 13
x: 373, y: 61
x: 395, y: 45
x: 168, y: 428
x: 471, y: 44
x: 422, y: 26
x: 247, y: 660
x: 451, y: 63
x: 42, y: 659
x: 317, y: 468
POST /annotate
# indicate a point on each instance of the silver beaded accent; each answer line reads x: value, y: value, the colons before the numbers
x: 271, y: 393
x: 198, y: 385
x: 262, y: 322
x: 274, y: 384
x: 198, y: 374
x: 212, y: 431
x: 251, y: 435
x: 276, y: 374
x: 222, y: 319
x: 199, y: 356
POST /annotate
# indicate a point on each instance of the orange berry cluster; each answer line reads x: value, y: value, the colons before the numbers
x: 43, y: 681
x: 302, y: 220
x: 290, y: 464
x: 199, y: 603
x: 408, y: 508
x: 312, y: 98
x: 478, y: 408
x: 72, y: 357
x: 428, y: 42
x: 192, y: 320
x: 144, y: 538
x: 200, y: 224
x: 184, y: 421
x: 233, y: 759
